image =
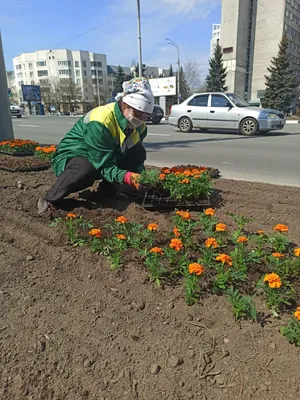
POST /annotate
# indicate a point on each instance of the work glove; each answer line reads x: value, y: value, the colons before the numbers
x: 132, y: 179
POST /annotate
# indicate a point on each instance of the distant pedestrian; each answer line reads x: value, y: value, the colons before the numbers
x: 104, y: 144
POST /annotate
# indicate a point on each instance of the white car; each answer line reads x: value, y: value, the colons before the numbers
x: 16, y: 110
x: 224, y: 111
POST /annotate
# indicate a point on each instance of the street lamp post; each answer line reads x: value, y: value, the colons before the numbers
x: 178, y: 62
x: 139, y: 38
x: 98, y: 86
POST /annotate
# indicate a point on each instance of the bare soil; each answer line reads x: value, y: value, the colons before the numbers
x: 22, y: 163
x: 72, y: 329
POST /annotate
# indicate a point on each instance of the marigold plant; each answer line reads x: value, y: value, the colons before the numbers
x: 211, y: 242
x: 297, y: 252
x: 196, y: 268
x: 242, y: 239
x: 221, y: 227
x: 176, y: 244
x: 210, y: 212
x: 152, y: 227
x: 95, y: 232
x: 121, y: 219
x: 157, y: 250
x: 71, y: 215
x: 121, y: 236
x: 273, y: 280
x: 281, y: 228
x: 225, y: 259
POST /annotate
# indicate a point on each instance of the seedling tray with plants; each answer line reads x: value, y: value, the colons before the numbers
x: 185, y: 186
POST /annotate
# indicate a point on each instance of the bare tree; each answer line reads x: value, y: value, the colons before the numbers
x: 192, y: 75
x: 71, y: 93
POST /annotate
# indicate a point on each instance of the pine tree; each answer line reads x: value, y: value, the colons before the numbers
x: 119, y: 79
x: 282, y: 82
x: 136, y: 70
x: 216, y: 78
x: 171, y: 72
x: 184, y: 87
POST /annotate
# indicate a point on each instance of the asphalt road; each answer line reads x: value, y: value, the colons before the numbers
x: 272, y: 158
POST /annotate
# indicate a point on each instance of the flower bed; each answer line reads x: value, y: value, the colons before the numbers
x: 18, y: 147
x: 45, y: 152
x: 203, y: 255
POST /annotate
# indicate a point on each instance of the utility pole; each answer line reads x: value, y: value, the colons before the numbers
x: 178, y: 63
x: 6, y: 128
x: 98, y: 86
x: 139, y: 38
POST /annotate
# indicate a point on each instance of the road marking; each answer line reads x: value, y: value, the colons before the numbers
x: 158, y: 134
x: 30, y: 126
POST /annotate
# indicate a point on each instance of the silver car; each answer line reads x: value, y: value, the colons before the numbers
x: 224, y: 111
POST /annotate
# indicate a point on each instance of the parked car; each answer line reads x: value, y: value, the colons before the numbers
x: 155, y: 117
x: 224, y: 111
x: 16, y: 110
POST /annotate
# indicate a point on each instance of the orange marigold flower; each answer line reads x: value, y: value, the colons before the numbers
x: 177, y: 173
x: 184, y: 214
x: 297, y: 252
x: 176, y: 244
x: 242, y: 239
x: 278, y: 255
x: 225, y: 259
x: 121, y: 236
x: 196, y: 268
x: 152, y: 227
x: 166, y: 170
x: 156, y: 250
x: 185, y: 180
x: 176, y: 232
x: 209, y: 211
x: 297, y: 313
x: 71, y: 215
x: 281, y: 228
x: 273, y: 280
x: 187, y: 172
x: 195, y: 171
x: 221, y: 227
x: 95, y: 232
x: 211, y: 242
x: 162, y: 176
x: 260, y: 232
x: 121, y: 219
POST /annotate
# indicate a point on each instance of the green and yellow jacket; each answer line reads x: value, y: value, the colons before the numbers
x: 99, y: 137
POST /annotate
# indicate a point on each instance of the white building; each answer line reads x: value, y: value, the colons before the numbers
x: 216, y: 32
x: 83, y: 67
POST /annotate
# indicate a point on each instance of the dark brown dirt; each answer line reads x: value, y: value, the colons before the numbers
x: 21, y: 163
x: 71, y: 329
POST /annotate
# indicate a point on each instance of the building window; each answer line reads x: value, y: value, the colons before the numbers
x: 77, y: 72
x: 96, y: 64
x: 19, y: 66
x: 85, y: 72
x: 78, y: 82
x: 41, y: 64
x: 42, y: 73
x: 64, y: 63
x: 76, y: 64
x: 32, y: 82
x: 84, y: 64
x: 64, y: 72
x: 30, y: 66
x: 31, y: 74
x: 20, y: 75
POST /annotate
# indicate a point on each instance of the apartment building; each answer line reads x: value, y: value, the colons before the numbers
x: 86, y: 69
x: 215, y: 38
x: 250, y: 33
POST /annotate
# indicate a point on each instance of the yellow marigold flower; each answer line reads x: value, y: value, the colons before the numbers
x: 297, y: 252
x: 210, y: 212
x: 121, y: 236
x: 260, y: 232
x: 95, y: 232
x: 281, y: 228
x: 196, y: 268
x: 221, y: 227
x: 211, y: 242
x: 297, y: 313
x: 121, y: 219
x: 225, y: 259
x: 278, y: 255
x: 152, y: 227
x: 273, y: 280
x: 156, y: 250
x: 242, y: 239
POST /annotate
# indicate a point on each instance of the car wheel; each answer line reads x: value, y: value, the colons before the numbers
x: 248, y: 127
x: 203, y: 130
x: 185, y: 125
x: 19, y: 116
x: 156, y: 121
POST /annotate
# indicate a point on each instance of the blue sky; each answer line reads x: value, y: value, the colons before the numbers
x: 29, y: 25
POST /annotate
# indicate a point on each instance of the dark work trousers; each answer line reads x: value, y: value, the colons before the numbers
x: 79, y: 173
